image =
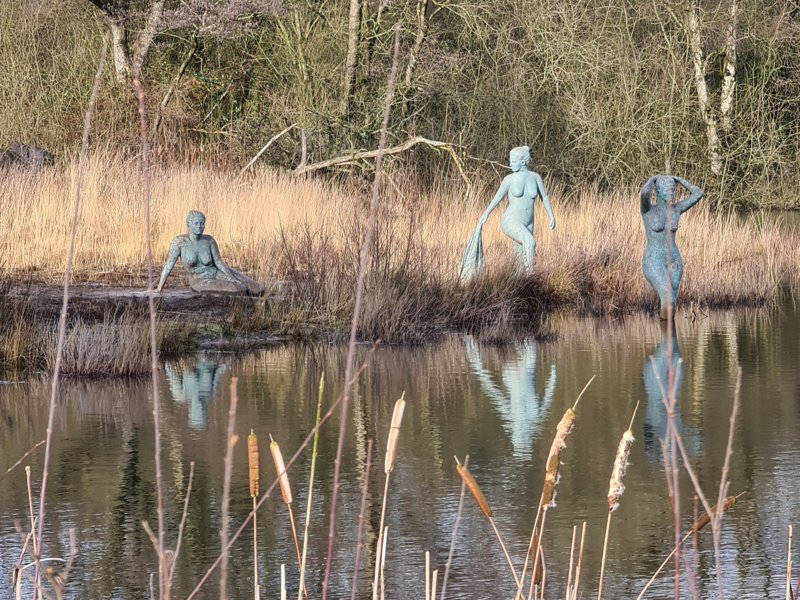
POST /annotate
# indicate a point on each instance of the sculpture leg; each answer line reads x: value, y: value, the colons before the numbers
x: 215, y: 286
x: 657, y: 276
x: 520, y: 233
x: 251, y: 286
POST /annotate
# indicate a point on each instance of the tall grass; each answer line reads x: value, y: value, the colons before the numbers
x: 302, y: 236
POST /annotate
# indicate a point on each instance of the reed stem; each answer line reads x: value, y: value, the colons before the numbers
x: 361, y: 514
x: 315, y: 447
x: 603, y: 561
x: 505, y: 552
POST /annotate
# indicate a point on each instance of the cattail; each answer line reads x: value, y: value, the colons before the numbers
x: 283, y: 478
x: 706, y: 518
x: 616, y: 488
x: 539, y: 572
x: 394, y: 434
x: 474, y: 489
x: 615, y: 485
x: 554, y: 458
x: 252, y: 459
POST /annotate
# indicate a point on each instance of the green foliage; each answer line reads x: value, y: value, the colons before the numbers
x: 602, y: 91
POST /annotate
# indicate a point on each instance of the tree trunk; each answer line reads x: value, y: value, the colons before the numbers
x: 712, y: 134
x: 422, y: 29
x: 119, y: 48
x: 351, y: 65
x: 729, y: 79
x: 146, y: 36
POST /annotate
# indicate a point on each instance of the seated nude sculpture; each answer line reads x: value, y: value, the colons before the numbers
x: 662, y: 263
x: 201, y: 258
x: 522, y: 188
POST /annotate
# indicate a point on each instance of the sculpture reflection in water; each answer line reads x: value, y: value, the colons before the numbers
x: 516, y: 397
x: 664, y: 372
x: 195, y: 382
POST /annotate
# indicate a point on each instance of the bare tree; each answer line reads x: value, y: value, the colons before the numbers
x: 700, y: 64
x: 351, y: 64
x: 118, y: 14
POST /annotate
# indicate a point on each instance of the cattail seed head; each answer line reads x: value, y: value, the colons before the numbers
x: 615, y: 485
x: 394, y: 435
x: 551, y: 475
x: 729, y: 502
x: 253, y: 462
x: 280, y: 467
x: 474, y: 489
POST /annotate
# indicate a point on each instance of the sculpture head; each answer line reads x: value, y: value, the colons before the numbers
x: 196, y: 222
x: 519, y: 158
x: 665, y: 188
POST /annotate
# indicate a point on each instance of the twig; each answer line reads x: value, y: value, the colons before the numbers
x: 62, y: 321
x: 230, y: 442
x: 716, y: 518
x: 22, y: 458
x: 361, y: 515
x: 362, y: 271
x: 137, y: 85
x: 182, y: 525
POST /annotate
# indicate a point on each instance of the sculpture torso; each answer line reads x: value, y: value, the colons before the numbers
x: 660, y: 225
x: 196, y: 255
x: 522, y: 192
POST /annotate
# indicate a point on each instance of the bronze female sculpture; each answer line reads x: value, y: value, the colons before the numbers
x: 662, y: 263
x: 201, y: 257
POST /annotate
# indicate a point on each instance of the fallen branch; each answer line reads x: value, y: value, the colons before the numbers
x: 267, y: 145
x: 399, y: 149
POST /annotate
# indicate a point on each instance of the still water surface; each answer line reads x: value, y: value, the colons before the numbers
x: 500, y: 405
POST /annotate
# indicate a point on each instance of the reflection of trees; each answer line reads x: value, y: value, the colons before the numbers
x: 195, y: 383
x: 664, y: 372
x: 516, y: 398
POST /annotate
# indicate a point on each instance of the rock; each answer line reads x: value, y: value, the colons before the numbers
x: 26, y: 157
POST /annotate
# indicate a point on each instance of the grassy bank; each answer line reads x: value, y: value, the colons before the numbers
x: 305, y: 234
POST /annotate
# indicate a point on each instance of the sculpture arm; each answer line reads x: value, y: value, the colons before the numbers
x: 545, y: 200
x: 172, y: 258
x: 501, y: 192
x: 647, y: 190
x: 218, y: 262
x: 695, y: 194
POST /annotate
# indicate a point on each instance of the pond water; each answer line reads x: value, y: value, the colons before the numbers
x: 500, y: 405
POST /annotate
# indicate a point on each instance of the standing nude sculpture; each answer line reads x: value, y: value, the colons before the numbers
x: 522, y: 187
x: 662, y: 263
x: 200, y: 255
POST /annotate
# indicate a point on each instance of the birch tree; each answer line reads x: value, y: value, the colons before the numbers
x: 712, y: 117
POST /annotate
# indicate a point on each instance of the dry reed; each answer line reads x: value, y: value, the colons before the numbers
x: 547, y: 498
x: 696, y: 527
x: 253, y: 463
x: 483, y: 504
x: 388, y: 467
x: 286, y: 491
x: 616, y: 488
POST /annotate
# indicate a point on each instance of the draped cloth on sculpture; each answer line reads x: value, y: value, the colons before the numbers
x: 473, y: 262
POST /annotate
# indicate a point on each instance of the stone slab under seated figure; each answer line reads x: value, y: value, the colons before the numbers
x: 662, y: 264
x: 522, y: 187
x: 201, y: 257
